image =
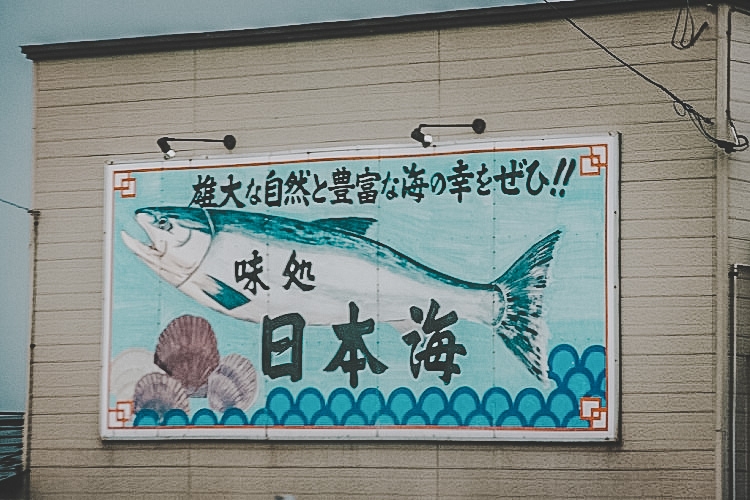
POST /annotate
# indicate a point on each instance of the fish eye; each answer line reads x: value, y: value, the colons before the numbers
x: 164, y: 224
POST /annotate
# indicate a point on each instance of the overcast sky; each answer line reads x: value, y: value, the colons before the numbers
x: 30, y: 22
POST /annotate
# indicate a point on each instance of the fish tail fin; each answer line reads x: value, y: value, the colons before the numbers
x: 519, y: 321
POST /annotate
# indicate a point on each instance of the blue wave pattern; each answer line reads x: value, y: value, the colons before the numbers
x: 575, y: 377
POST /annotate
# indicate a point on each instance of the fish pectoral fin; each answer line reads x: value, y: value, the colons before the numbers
x: 356, y: 225
x: 223, y: 294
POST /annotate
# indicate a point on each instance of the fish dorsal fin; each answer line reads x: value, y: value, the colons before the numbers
x: 356, y: 225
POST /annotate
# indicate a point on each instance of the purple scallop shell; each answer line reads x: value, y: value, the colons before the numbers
x: 187, y: 351
x: 161, y: 393
x: 234, y: 384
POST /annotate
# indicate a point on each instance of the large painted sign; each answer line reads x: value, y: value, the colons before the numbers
x: 458, y: 292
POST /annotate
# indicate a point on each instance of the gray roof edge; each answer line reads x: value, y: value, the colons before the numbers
x: 342, y: 29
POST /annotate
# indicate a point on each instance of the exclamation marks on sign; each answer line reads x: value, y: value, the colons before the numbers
x: 559, y: 173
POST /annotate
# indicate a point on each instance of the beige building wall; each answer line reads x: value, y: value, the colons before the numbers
x: 738, y: 98
x: 526, y: 80
x: 739, y: 165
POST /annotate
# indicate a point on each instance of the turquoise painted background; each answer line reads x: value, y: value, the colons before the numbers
x: 475, y: 239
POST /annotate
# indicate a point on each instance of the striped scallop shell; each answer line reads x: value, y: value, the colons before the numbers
x: 161, y: 393
x: 187, y: 351
x: 126, y: 369
x: 234, y: 384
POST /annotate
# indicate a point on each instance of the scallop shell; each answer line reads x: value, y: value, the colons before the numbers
x: 126, y: 369
x: 160, y: 393
x: 187, y: 351
x: 234, y: 384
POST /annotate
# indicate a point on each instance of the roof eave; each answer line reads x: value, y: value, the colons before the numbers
x: 340, y: 29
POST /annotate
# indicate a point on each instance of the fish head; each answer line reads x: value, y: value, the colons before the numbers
x: 179, y: 239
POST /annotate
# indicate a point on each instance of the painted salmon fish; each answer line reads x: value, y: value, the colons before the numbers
x: 201, y: 251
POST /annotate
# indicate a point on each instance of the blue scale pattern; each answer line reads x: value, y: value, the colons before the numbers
x: 575, y: 376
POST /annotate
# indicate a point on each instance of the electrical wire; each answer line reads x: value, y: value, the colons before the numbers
x: 682, y: 108
x: 15, y: 205
x: 686, y: 42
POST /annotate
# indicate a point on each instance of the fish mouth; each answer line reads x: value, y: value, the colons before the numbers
x: 150, y: 250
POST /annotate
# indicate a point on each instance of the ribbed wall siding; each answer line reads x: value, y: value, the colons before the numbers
x: 739, y: 246
x: 525, y: 80
x: 739, y: 164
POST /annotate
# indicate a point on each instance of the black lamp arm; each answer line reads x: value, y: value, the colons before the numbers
x: 478, y: 125
x: 229, y: 141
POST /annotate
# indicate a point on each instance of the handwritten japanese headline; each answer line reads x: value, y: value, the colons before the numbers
x: 301, y: 187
